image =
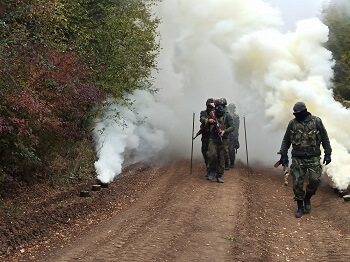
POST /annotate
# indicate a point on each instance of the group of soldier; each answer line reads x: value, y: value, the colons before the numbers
x: 305, y: 133
x: 219, y: 129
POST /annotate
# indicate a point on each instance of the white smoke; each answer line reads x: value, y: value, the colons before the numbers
x: 233, y: 49
x: 132, y: 133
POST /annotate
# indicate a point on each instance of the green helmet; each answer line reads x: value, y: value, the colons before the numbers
x: 209, y: 101
x: 220, y: 102
x: 231, y: 107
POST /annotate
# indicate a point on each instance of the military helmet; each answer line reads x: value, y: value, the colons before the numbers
x: 299, y: 106
x: 220, y: 101
x: 209, y: 101
x: 232, y: 107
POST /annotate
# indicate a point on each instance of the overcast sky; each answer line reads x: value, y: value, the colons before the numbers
x: 295, y: 10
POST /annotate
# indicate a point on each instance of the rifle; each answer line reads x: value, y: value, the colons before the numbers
x: 201, y: 130
x: 285, y: 171
x: 217, y: 126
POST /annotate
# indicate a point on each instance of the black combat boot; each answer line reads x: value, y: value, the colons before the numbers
x: 207, y: 173
x: 227, y: 165
x: 211, y: 175
x: 307, y: 202
x: 219, y: 179
x: 232, y: 165
x: 300, y: 210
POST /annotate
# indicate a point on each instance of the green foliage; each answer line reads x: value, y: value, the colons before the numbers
x: 121, y: 34
x: 58, y: 60
x: 337, y: 18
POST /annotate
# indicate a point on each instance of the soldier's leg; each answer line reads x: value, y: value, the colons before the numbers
x: 227, y: 155
x: 212, y: 158
x: 232, y: 154
x: 314, y: 171
x: 298, y: 170
x: 205, y: 145
x: 221, y: 163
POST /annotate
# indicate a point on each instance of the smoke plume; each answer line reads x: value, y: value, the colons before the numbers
x: 237, y: 50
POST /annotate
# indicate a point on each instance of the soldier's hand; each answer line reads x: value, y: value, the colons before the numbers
x: 284, y: 160
x: 211, y: 121
x: 327, y: 159
x: 222, y: 133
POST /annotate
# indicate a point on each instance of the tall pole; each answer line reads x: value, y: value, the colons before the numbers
x: 246, y: 143
x: 192, y: 141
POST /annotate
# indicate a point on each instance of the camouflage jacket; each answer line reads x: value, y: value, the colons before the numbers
x: 306, y: 137
x: 205, y: 126
x: 235, y: 118
x: 226, y: 124
x: 233, y: 136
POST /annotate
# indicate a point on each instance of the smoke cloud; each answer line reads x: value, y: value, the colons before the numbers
x: 237, y: 50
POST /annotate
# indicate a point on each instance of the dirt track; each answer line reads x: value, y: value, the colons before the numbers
x: 165, y: 214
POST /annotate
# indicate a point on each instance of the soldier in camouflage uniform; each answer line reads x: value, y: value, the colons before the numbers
x: 233, y: 141
x: 226, y: 143
x: 218, y: 139
x: 305, y: 133
x: 205, y: 128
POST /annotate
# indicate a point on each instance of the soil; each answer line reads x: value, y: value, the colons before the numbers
x: 164, y: 213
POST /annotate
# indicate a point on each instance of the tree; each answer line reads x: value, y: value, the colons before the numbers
x: 337, y: 17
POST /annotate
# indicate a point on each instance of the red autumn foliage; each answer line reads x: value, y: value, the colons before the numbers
x: 48, y: 99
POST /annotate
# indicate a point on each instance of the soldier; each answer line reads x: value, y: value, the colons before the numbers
x: 205, y: 129
x: 233, y: 141
x: 219, y: 132
x: 305, y: 133
x: 227, y: 156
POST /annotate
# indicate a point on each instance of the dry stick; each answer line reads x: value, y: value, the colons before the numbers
x: 246, y: 144
x: 192, y: 141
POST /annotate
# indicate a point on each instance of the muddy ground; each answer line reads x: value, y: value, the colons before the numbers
x: 166, y: 214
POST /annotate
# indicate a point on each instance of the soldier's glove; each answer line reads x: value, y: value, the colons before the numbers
x: 236, y: 144
x: 284, y: 160
x: 327, y: 159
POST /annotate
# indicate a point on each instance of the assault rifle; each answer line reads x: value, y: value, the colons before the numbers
x: 217, y: 126
x: 201, y: 130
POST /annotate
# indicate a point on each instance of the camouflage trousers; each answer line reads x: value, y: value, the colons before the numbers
x: 227, y: 151
x: 205, y: 145
x: 231, y: 153
x: 299, y: 169
x: 216, y: 156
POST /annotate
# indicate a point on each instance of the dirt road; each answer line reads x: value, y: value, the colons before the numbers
x: 165, y: 214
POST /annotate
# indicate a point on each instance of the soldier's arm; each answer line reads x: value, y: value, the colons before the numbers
x: 203, y: 116
x: 324, y: 137
x: 286, y: 139
x: 237, y: 125
x: 229, y: 126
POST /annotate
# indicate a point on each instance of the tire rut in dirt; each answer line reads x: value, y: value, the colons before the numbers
x: 179, y: 219
x: 272, y: 233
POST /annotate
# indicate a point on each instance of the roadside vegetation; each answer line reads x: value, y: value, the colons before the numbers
x: 59, y: 60
x: 337, y: 17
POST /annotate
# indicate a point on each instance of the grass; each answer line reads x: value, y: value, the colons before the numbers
x: 233, y: 238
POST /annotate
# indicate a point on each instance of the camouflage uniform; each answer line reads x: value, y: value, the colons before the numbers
x: 205, y: 136
x: 204, y: 116
x: 233, y: 142
x: 305, y: 137
x: 216, y: 150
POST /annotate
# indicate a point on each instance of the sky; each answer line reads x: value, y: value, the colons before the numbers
x: 295, y: 10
